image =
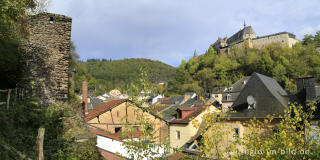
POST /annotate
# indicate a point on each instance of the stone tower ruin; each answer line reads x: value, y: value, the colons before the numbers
x: 46, y: 57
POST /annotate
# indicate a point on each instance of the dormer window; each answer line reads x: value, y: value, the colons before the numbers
x: 179, y: 114
x: 230, y: 89
x: 244, y: 82
x: 228, y: 97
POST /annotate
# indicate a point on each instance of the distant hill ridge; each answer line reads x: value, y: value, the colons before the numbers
x: 119, y: 73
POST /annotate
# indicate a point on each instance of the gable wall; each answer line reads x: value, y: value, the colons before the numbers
x: 109, y: 120
x: 187, y: 131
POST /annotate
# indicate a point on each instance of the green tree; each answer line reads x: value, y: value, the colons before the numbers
x: 146, y: 146
x: 12, y: 31
x: 307, y: 39
x: 317, y: 39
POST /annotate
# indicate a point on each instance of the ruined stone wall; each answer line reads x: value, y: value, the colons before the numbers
x: 46, y: 57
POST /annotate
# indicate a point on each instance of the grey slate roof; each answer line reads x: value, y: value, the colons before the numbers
x: 274, y: 87
x: 192, y: 102
x: 235, y: 91
x: 94, y: 103
x: 174, y: 100
x: 269, y: 96
x: 169, y: 113
x: 218, y: 90
x: 239, y: 35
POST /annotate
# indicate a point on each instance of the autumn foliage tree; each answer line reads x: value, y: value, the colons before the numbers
x: 286, y: 137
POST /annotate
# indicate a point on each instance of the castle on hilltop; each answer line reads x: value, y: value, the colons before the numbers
x: 223, y: 45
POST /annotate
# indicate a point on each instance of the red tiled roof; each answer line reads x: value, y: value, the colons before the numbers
x: 106, y: 134
x: 108, y: 155
x: 103, y: 108
x: 196, y: 111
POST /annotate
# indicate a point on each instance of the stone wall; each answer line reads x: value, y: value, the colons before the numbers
x: 247, y: 35
x: 45, y: 57
x: 282, y: 38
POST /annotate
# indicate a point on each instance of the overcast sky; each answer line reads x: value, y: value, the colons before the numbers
x: 171, y: 30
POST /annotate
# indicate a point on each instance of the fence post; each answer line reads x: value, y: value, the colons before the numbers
x: 15, y: 97
x: 40, y: 139
x: 8, y: 98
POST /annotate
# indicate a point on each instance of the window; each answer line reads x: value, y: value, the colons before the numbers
x: 230, y: 89
x: 51, y: 20
x: 216, y: 96
x: 117, y: 129
x: 179, y: 114
x: 244, y: 82
x: 117, y: 113
x: 178, y: 134
x: 236, y: 133
x: 228, y: 97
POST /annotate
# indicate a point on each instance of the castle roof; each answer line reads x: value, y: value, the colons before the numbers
x: 238, y: 36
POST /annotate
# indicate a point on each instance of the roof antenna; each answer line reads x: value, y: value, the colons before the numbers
x: 244, y: 24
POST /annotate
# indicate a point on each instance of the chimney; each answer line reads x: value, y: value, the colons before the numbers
x: 306, y: 88
x: 85, y: 97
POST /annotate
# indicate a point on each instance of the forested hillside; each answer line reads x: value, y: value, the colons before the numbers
x: 104, y: 75
x: 202, y: 73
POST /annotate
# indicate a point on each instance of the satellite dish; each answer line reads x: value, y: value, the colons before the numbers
x: 250, y: 100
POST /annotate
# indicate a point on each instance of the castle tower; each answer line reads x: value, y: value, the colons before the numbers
x: 46, y: 57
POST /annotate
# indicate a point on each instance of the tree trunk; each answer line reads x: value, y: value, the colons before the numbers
x: 40, y: 139
x: 15, y: 96
x: 22, y: 90
x: 8, y: 98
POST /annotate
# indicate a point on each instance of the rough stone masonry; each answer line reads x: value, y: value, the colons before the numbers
x: 46, y: 57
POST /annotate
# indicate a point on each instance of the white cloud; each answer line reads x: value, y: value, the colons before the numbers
x: 170, y: 30
x: 309, y: 30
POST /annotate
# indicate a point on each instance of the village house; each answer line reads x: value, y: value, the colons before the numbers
x: 216, y: 94
x: 230, y: 94
x: 261, y: 96
x: 182, y: 127
x: 166, y: 107
x: 110, y: 119
x: 309, y: 91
